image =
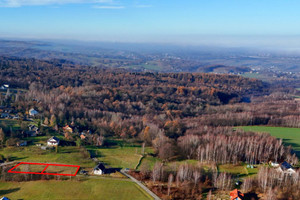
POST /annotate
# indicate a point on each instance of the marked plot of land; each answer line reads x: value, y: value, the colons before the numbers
x: 29, y: 168
x: 45, y: 168
x: 60, y: 170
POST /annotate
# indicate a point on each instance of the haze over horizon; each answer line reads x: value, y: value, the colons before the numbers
x: 269, y: 24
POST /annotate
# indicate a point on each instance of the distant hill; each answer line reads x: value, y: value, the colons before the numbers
x: 154, y: 57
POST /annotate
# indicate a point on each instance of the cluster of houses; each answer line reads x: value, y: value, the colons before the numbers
x: 51, y: 142
x: 82, y: 134
x: 9, y: 113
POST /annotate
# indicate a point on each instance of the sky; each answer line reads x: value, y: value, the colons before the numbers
x: 223, y: 22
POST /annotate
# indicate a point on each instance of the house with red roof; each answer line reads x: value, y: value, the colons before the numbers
x: 236, y: 195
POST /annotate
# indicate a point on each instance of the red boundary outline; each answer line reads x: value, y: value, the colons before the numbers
x: 46, y: 166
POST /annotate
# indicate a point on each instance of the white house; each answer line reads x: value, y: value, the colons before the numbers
x: 53, y: 141
x: 99, y: 169
x: 33, y: 112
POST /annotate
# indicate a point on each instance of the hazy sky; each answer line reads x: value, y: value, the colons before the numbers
x: 171, y: 21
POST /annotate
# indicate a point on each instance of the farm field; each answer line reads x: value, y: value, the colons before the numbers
x: 66, y: 155
x: 119, y: 157
x: 149, y: 161
x: 290, y: 136
x: 88, y: 189
x: 229, y: 168
x: 116, y: 154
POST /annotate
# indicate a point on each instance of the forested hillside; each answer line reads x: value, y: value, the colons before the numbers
x: 182, y: 116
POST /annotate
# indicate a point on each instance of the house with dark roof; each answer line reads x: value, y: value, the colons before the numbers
x: 99, y: 169
x: 32, y: 127
x: 33, y: 131
x: 286, y: 167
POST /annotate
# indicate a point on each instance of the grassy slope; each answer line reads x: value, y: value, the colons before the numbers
x: 14, y: 124
x: 66, y: 155
x: 290, y: 136
x: 89, y: 189
x: 120, y: 157
x: 9, y: 123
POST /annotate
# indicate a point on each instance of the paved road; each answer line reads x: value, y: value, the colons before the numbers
x: 141, y: 185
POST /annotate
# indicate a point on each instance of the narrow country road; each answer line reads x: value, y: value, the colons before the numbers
x: 141, y: 185
x: 8, y: 163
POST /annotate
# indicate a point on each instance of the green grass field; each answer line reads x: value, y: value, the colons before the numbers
x: 233, y: 169
x: 88, y: 189
x: 119, y: 157
x: 290, y: 136
x: 149, y: 161
x: 66, y: 155
x: 119, y: 153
